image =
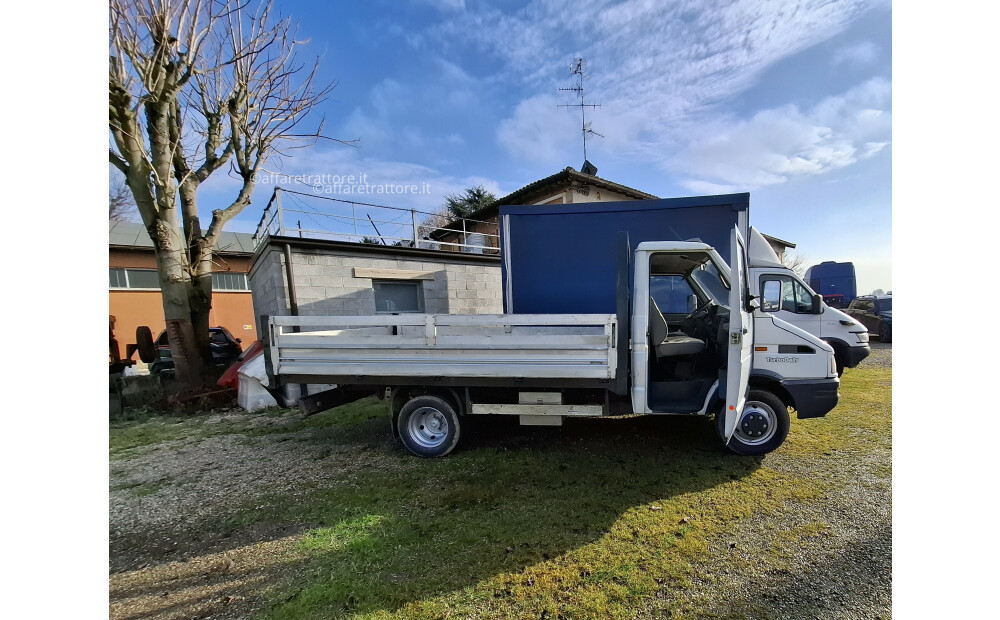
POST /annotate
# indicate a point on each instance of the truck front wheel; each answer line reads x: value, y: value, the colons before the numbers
x: 762, y: 427
x: 428, y: 426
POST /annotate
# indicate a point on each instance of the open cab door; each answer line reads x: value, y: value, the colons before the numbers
x: 740, y: 355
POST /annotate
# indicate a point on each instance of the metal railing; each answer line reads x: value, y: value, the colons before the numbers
x: 360, y: 222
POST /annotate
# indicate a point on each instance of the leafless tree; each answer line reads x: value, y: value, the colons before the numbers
x: 795, y: 262
x: 121, y: 207
x: 196, y: 85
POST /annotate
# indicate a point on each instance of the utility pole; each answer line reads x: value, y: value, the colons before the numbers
x: 578, y: 68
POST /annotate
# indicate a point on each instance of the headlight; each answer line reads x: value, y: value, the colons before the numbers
x: 833, y: 366
x: 847, y: 323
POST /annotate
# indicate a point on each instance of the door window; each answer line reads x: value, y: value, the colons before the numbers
x: 785, y: 293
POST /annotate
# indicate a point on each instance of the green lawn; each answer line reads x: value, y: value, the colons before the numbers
x: 603, y: 518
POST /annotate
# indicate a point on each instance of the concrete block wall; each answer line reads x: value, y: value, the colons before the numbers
x: 325, y: 283
x: 267, y: 286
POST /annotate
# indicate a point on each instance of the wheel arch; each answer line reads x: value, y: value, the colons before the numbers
x: 771, y: 382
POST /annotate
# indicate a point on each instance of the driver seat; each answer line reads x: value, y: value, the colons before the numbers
x: 666, y: 344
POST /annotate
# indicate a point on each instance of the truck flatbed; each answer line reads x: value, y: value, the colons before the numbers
x: 509, y: 346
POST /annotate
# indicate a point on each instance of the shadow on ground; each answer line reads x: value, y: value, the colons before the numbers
x: 405, y: 529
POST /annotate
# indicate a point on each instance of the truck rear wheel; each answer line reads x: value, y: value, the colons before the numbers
x: 428, y: 426
x: 762, y: 427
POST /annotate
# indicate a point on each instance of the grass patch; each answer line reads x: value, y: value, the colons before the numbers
x: 142, y: 489
x: 598, y: 519
x: 586, y: 522
x: 146, y: 427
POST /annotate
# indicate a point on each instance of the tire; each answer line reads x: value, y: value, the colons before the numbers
x: 428, y: 426
x: 884, y: 333
x: 774, y: 430
x: 144, y: 343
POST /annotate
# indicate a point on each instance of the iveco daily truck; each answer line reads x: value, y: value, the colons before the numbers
x: 718, y: 359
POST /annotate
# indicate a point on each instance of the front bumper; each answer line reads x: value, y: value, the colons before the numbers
x: 854, y: 355
x: 813, y: 398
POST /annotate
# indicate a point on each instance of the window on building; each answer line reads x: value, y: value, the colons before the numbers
x: 119, y: 277
x: 229, y: 281
x: 398, y: 296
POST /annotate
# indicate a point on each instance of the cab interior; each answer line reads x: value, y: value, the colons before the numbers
x: 688, y: 330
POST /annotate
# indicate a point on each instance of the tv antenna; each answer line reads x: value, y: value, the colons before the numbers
x: 578, y: 68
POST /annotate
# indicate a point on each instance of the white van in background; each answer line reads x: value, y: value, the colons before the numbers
x: 782, y: 293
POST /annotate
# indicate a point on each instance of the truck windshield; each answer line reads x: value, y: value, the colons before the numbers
x: 712, y: 282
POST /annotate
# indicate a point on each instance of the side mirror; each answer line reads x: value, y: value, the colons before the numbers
x: 817, y: 307
x: 239, y: 340
x: 692, y: 303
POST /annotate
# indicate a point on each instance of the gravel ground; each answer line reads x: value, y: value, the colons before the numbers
x: 843, y: 571
x: 166, y: 564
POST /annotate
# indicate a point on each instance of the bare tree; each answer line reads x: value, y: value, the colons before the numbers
x: 195, y: 85
x: 121, y: 207
x: 795, y: 262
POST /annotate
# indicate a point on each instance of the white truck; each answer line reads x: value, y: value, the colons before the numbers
x: 721, y: 359
x: 782, y: 293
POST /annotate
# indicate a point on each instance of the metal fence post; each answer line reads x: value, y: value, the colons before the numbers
x: 281, y: 213
x: 416, y: 236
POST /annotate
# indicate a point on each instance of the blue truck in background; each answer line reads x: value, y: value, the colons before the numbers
x: 835, y: 281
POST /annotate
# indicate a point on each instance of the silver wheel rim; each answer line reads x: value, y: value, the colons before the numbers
x: 427, y: 427
x: 757, y: 425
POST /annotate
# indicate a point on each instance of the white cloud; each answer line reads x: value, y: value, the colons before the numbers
x: 660, y: 68
x: 780, y: 143
x: 540, y: 132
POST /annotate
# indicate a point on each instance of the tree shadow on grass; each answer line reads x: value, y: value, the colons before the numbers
x: 508, y: 498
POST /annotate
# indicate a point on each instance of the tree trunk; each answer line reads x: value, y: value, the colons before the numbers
x: 175, y: 285
x: 200, y: 301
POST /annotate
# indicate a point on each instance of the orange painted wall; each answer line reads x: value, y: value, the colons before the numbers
x: 132, y: 308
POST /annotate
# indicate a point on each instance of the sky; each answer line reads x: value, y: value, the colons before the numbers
x: 790, y: 101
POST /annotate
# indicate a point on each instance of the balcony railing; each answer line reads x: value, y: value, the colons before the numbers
x: 296, y: 214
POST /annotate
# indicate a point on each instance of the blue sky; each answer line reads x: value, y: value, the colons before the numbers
x: 791, y: 101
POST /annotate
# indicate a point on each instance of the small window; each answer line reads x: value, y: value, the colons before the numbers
x: 396, y: 296
x: 119, y: 277
x: 229, y: 281
x: 143, y: 278
x: 116, y: 277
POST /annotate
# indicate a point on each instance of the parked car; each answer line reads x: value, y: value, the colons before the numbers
x: 875, y: 313
x: 225, y: 350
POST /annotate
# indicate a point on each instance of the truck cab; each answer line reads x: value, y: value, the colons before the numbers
x: 783, y: 294
x: 698, y: 340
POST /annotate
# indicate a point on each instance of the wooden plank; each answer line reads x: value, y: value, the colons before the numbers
x: 393, y: 274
